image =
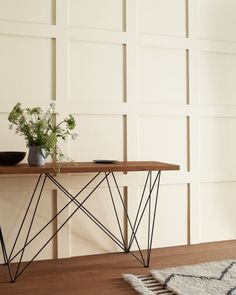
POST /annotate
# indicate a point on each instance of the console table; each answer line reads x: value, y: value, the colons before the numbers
x: 100, y: 173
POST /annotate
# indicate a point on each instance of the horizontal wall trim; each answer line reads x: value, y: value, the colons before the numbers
x: 117, y: 37
x: 24, y: 29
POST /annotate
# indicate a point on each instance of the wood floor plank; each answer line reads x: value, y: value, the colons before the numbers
x: 102, y: 274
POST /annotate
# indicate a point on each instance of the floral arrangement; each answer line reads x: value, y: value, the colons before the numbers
x: 40, y: 128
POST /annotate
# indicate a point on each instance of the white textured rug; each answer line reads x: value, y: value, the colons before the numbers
x: 211, y: 278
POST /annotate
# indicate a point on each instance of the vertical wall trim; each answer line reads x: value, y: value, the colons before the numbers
x: 187, y: 18
x: 188, y: 214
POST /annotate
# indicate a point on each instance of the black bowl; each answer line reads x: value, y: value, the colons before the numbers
x: 11, y: 158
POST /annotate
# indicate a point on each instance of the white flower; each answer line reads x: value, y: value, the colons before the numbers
x: 52, y: 105
x: 74, y: 135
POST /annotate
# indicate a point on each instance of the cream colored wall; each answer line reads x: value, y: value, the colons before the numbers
x: 147, y: 80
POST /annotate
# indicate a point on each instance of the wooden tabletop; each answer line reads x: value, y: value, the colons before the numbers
x: 86, y: 167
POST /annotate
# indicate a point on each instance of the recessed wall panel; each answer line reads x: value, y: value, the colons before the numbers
x: 162, y: 75
x: 105, y: 14
x: 96, y: 72
x: 27, y: 69
x: 217, y: 19
x: 218, y: 211
x: 217, y: 147
x: 216, y: 78
x: 100, y: 137
x: 163, y: 139
x: 163, y: 17
x: 31, y: 11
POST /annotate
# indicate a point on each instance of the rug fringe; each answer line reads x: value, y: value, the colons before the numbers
x: 146, y: 285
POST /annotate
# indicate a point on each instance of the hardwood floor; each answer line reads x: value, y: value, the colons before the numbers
x: 102, y: 274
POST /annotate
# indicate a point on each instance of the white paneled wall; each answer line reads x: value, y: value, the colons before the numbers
x: 162, y: 17
x: 20, y: 57
x: 108, y: 15
x: 146, y: 80
x: 216, y: 81
x: 28, y: 11
x: 165, y: 65
x: 216, y: 118
x: 93, y: 63
x: 217, y: 20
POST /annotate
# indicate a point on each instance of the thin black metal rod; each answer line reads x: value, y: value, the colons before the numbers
x: 115, y: 210
x: 90, y: 215
x: 2, y: 245
x: 24, y: 218
x: 153, y: 222
x: 149, y: 196
x: 30, y: 227
x: 149, y: 213
x: 145, y: 205
x: 129, y: 221
x: 5, y: 256
x: 127, y: 215
x: 50, y: 221
x: 139, y: 208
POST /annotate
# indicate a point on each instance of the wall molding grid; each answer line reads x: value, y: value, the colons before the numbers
x: 164, y: 87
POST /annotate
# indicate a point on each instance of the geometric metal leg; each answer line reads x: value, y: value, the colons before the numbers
x: 151, y: 224
x: 127, y: 248
x: 82, y: 207
x: 8, y: 259
x: 148, y: 203
x: 25, y: 215
x: 27, y: 242
x: 3, y: 246
x: 5, y: 256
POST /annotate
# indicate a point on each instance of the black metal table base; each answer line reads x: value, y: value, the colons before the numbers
x: 147, y: 205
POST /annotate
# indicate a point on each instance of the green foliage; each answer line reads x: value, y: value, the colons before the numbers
x: 40, y: 128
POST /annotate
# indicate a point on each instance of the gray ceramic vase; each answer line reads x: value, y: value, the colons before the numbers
x: 36, y: 156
